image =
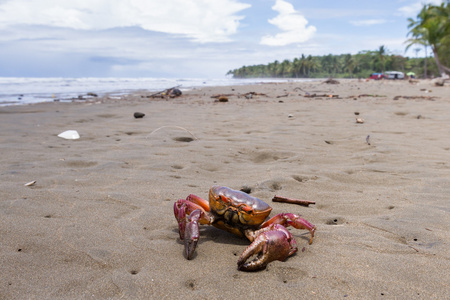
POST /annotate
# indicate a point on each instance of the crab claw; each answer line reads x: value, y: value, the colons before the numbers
x: 191, y: 212
x: 274, y: 244
x: 179, y: 210
x: 191, y: 233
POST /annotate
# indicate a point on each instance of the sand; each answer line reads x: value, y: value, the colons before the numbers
x: 98, y: 223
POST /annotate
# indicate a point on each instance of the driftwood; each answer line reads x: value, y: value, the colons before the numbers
x: 292, y: 201
x: 217, y: 96
x: 171, y: 92
x: 251, y: 94
x: 431, y: 98
x: 320, y: 95
x: 368, y: 95
x: 440, y: 81
x: 248, y: 95
x: 331, y: 81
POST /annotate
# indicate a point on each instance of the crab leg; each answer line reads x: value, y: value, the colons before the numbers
x: 293, y: 220
x: 271, y: 243
x: 199, y: 201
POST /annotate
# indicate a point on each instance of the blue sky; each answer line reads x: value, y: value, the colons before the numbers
x: 189, y: 38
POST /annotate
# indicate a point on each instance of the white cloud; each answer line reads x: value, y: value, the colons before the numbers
x: 413, y: 9
x: 368, y: 22
x: 200, y: 20
x: 292, y: 23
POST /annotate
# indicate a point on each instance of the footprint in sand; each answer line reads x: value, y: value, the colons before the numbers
x: 267, y: 156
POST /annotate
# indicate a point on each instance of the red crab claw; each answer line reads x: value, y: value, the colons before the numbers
x: 179, y: 210
x: 184, y: 207
x: 272, y: 243
x: 192, y: 233
x: 191, y: 212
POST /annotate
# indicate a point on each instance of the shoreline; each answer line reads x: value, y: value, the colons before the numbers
x: 18, y: 91
x: 99, y: 220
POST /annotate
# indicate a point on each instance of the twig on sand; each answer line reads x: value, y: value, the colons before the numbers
x: 413, y: 248
x: 178, y: 127
x: 217, y: 96
x: 292, y: 201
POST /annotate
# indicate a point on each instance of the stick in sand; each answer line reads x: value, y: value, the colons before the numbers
x: 292, y: 201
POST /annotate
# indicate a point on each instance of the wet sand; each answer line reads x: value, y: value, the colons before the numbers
x: 98, y: 223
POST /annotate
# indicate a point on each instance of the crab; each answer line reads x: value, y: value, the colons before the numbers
x: 243, y: 215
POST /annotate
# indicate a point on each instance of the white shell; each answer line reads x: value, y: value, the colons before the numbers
x: 69, y: 135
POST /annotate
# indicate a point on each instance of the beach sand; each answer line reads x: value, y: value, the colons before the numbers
x: 98, y: 223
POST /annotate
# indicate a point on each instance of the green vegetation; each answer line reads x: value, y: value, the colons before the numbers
x: 430, y: 29
x: 360, y: 65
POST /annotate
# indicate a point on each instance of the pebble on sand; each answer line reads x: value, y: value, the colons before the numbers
x: 139, y: 115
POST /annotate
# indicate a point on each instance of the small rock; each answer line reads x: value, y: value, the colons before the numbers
x: 359, y: 120
x: 223, y: 99
x: 139, y: 115
x: 246, y: 189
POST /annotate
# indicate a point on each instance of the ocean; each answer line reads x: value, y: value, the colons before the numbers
x: 20, y: 91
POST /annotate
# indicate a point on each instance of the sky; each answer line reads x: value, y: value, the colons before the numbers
x: 190, y: 38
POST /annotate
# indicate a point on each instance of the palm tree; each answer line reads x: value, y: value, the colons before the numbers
x: 431, y: 29
x: 295, y: 67
x: 419, y: 38
x: 381, y: 52
x: 314, y: 64
x: 350, y: 64
x: 285, y: 68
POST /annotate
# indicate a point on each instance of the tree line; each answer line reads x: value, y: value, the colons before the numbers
x: 431, y: 29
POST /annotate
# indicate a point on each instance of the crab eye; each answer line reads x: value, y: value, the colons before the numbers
x: 247, y: 209
x: 223, y: 199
